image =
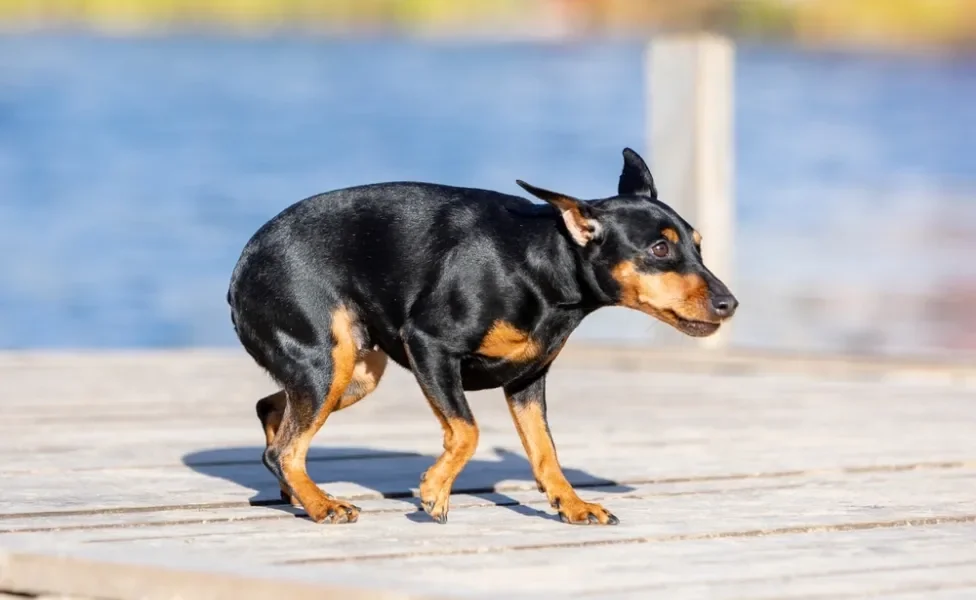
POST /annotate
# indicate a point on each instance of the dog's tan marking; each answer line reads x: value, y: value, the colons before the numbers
x: 292, y: 457
x: 365, y: 377
x: 460, y: 443
x: 696, y: 237
x: 671, y: 234
x: 506, y: 341
x: 530, y: 422
x: 580, y: 228
x: 663, y: 295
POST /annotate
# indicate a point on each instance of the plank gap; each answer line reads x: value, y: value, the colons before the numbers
x: 795, y: 529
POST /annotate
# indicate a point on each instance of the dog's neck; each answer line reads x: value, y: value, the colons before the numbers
x: 570, y: 272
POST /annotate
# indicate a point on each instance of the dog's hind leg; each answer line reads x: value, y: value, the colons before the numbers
x: 327, y: 374
x: 365, y: 377
x: 270, y: 410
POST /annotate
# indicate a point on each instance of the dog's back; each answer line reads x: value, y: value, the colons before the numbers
x: 377, y: 247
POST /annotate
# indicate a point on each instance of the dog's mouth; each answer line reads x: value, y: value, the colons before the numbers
x: 691, y: 327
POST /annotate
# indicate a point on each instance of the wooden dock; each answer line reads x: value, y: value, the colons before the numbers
x: 139, y: 476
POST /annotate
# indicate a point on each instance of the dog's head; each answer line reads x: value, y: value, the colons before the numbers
x: 642, y: 254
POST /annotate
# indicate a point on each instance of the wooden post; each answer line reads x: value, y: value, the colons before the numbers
x: 691, y: 89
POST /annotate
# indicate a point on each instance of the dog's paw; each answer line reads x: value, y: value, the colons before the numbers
x: 334, y: 512
x: 437, y: 511
x: 576, y: 512
x: 435, y: 499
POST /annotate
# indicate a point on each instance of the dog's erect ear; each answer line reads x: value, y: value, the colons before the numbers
x: 577, y: 215
x: 636, y: 177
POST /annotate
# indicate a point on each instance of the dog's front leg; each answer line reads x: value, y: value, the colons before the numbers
x: 438, y: 372
x: 528, y: 407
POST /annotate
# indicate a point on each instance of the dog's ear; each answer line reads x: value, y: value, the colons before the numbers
x: 579, y: 218
x: 636, y: 178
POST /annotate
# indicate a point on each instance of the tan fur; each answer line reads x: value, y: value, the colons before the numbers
x: 293, y: 456
x: 365, y: 377
x: 460, y: 443
x: 530, y: 422
x: 580, y: 228
x: 506, y: 341
x: 663, y: 295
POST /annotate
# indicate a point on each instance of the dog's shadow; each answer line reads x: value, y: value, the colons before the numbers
x: 390, y: 474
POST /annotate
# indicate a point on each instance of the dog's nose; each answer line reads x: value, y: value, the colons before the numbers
x: 724, y: 305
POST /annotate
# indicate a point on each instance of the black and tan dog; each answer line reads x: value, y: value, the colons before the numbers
x: 469, y: 289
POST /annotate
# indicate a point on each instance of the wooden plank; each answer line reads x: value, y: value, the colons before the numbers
x: 792, y: 566
x: 97, y: 517
x: 149, y: 517
x: 842, y: 564
x: 34, y: 574
x: 357, y: 479
x: 648, y: 516
x: 595, y: 563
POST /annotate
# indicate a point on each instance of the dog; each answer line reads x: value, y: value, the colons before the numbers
x: 468, y: 289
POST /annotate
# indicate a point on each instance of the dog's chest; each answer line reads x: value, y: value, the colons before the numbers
x: 508, y: 353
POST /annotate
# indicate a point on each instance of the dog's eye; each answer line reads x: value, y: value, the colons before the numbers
x: 660, y: 249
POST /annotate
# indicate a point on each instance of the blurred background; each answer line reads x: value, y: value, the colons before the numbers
x: 142, y: 142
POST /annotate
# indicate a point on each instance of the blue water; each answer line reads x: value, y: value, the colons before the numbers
x: 132, y: 171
